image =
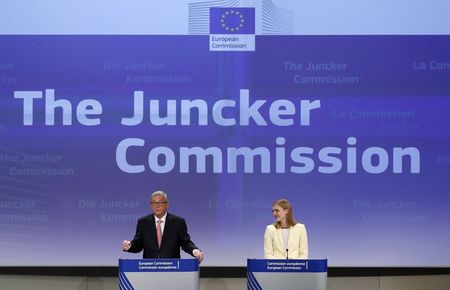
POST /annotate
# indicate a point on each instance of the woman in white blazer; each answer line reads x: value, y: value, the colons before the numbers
x: 285, y: 239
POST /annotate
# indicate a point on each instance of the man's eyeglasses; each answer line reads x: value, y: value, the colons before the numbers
x: 158, y: 203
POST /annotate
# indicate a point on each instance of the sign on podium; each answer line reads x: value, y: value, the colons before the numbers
x: 268, y: 274
x: 161, y: 274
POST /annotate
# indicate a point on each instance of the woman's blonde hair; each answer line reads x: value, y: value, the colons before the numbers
x: 286, y: 205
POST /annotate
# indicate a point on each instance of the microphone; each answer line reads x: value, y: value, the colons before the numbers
x: 287, y: 254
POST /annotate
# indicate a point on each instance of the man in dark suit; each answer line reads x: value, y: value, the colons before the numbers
x: 161, y: 234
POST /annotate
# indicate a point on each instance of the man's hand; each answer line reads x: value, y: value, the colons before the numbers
x: 126, y: 245
x: 199, y: 255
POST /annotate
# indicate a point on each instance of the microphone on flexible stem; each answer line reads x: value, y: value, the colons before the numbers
x: 287, y: 254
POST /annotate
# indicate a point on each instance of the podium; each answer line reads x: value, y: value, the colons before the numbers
x: 161, y: 274
x: 268, y: 274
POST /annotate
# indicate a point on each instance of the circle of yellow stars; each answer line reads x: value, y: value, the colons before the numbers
x: 232, y: 13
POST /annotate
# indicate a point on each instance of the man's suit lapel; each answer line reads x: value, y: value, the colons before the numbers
x: 152, y: 231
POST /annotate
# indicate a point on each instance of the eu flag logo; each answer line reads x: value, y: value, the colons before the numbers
x: 231, y: 20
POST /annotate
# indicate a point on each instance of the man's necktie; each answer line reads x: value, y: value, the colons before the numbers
x: 159, y: 233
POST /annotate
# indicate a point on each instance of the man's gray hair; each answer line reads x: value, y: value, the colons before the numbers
x: 161, y: 193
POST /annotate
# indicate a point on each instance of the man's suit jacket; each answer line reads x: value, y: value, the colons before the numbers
x: 175, y: 235
x: 297, y: 243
